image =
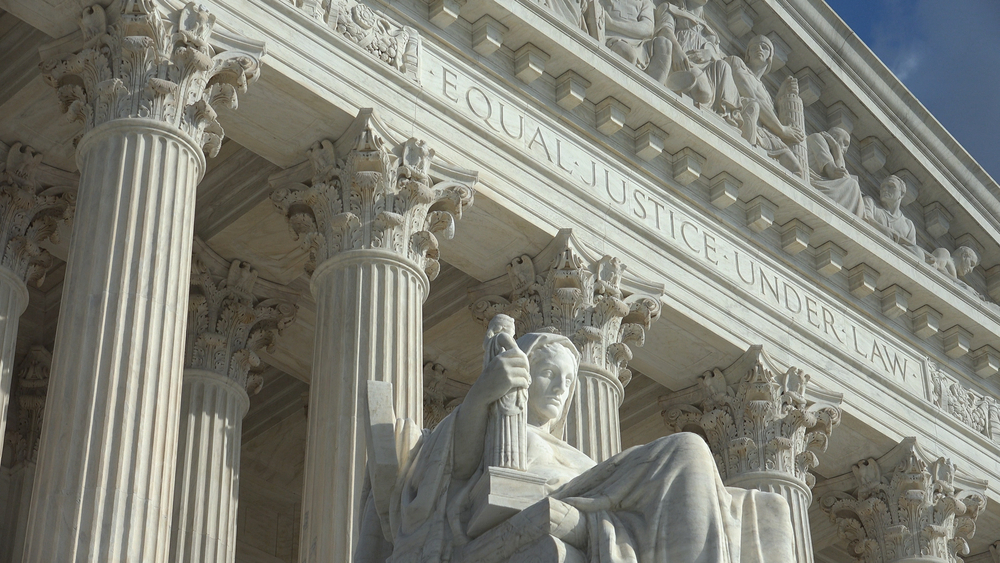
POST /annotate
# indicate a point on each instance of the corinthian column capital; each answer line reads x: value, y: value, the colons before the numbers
x: 33, y: 204
x: 904, y: 506
x: 757, y: 418
x: 567, y: 290
x: 137, y: 62
x: 231, y: 317
x: 367, y: 191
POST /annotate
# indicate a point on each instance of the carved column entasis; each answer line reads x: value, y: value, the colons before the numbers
x: 30, y: 213
x: 28, y: 409
x: 762, y: 430
x: 905, y: 506
x: 370, y: 210
x: 144, y: 85
x: 585, y: 299
x: 227, y: 325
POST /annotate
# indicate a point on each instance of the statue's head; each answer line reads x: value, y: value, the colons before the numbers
x: 842, y: 137
x: 553, y: 361
x: 891, y: 190
x: 966, y: 260
x: 760, y: 52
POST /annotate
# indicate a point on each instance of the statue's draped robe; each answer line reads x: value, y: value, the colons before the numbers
x: 845, y: 191
x: 662, y: 502
x: 895, y: 225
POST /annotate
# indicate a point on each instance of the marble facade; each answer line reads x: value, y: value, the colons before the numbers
x: 252, y: 248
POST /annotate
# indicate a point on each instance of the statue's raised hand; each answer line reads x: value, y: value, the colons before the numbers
x: 507, y: 371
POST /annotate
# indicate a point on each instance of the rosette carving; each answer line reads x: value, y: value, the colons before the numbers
x: 135, y: 62
x: 906, y: 505
x: 366, y: 192
x: 228, y: 323
x: 754, y: 420
x: 30, y: 213
x: 31, y: 385
x: 577, y: 295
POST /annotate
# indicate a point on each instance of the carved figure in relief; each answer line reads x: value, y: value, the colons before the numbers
x: 828, y: 172
x: 759, y: 119
x: 664, y: 501
x: 685, y: 57
x: 628, y: 25
x: 888, y: 218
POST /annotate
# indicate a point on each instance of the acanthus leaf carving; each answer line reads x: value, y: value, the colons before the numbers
x: 905, y: 505
x: 137, y: 63
x: 584, y: 298
x: 228, y: 323
x: 31, y: 385
x: 363, y: 195
x: 31, y: 212
x: 398, y: 46
x: 755, y: 418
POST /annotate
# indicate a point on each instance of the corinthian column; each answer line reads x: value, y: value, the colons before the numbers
x: 143, y: 85
x: 905, y: 506
x: 370, y: 210
x: 31, y: 211
x: 230, y: 319
x: 586, y: 299
x: 763, y: 430
x: 28, y: 410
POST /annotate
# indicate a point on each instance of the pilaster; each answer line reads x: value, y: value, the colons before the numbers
x: 231, y: 317
x: 144, y: 84
x: 907, y: 505
x: 589, y: 300
x: 370, y: 209
x: 764, y: 427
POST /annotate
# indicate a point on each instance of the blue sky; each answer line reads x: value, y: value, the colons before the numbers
x: 948, y: 54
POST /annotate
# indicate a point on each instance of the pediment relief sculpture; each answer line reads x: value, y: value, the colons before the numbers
x: 764, y: 124
x: 439, y: 499
x: 956, y: 265
x: 686, y: 58
x: 828, y: 173
x: 886, y: 215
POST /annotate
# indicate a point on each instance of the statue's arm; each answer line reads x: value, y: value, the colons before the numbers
x: 507, y: 371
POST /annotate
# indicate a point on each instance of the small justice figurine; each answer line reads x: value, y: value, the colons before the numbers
x: 507, y: 420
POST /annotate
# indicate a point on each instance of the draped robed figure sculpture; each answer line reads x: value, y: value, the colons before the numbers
x: 434, y: 498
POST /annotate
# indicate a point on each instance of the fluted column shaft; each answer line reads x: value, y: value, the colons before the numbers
x: 208, y: 460
x: 593, y: 425
x: 368, y: 327
x: 104, y: 486
x: 799, y: 497
x: 13, y: 301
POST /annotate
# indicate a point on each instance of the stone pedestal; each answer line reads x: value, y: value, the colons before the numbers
x: 592, y: 424
x: 143, y: 85
x: 369, y: 209
x: 208, y: 461
x: 764, y: 428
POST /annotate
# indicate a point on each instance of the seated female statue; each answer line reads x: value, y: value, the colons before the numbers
x: 660, y: 502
